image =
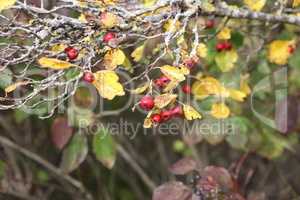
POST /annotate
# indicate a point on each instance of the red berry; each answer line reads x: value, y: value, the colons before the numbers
x: 186, y: 89
x: 166, y: 115
x: 88, y: 77
x: 156, y: 118
x: 177, y: 111
x: 72, y: 53
x: 109, y: 36
x: 291, y: 49
x: 220, y: 47
x: 209, y: 24
x: 227, y: 45
x: 147, y: 103
x: 162, y: 81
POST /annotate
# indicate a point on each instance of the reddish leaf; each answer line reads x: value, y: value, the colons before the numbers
x: 219, y: 175
x: 61, y: 132
x: 183, y: 166
x: 172, y: 191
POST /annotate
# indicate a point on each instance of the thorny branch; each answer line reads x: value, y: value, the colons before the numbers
x: 44, y: 28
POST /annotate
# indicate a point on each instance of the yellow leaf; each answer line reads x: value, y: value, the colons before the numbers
x: 14, y: 86
x: 149, y: 3
x: 224, y: 34
x: 226, y: 60
x: 171, y: 25
x: 54, y: 63
x: 58, y: 48
x: 113, y: 58
x: 82, y: 18
x: 296, y: 3
x: 141, y: 89
x: 107, y: 84
x: 237, y: 95
x: 220, y: 111
x: 255, y: 5
x: 171, y: 85
x: 208, y: 86
x: 174, y: 73
x: 190, y: 113
x: 244, y: 86
x: 109, y: 20
x: 163, y: 100
x: 127, y: 65
x: 202, y: 50
x: 148, y: 121
x: 278, y: 52
x: 138, y: 53
x: 5, y: 4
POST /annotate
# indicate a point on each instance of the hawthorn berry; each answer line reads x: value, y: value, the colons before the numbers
x: 291, y: 49
x: 166, y: 115
x: 156, y: 118
x: 220, y: 47
x: 108, y: 37
x: 209, y: 23
x: 186, y: 89
x: 223, y: 46
x: 177, y: 111
x: 162, y: 81
x: 227, y: 45
x: 147, y: 102
x: 72, y: 53
x: 88, y: 77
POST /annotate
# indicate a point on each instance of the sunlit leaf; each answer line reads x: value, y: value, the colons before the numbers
x: 296, y: 3
x: 190, y: 113
x: 237, y: 95
x: 220, y: 111
x: 5, y: 4
x: 255, y: 5
x: 174, y: 73
x: 278, y: 51
x: 113, y: 58
x: 54, y: 63
x: 163, y: 100
x: 107, y: 84
x: 202, y: 50
x: 14, y: 86
x: 138, y: 53
x: 141, y: 89
x: 109, y: 20
x: 224, y: 34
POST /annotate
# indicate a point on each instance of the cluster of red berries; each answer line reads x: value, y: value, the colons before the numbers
x: 71, y: 52
x: 224, y: 46
x: 147, y: 103
x: 166, y: 115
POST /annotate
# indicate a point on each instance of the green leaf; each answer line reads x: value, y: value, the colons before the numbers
x: 237, y: 39
x: 75, y: 153
x: 294, y: 60
x: 5, y: 78
x: 80, y: 117
x: 104, y: 148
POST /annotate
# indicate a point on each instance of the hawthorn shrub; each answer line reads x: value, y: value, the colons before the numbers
x: 89, y: 87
